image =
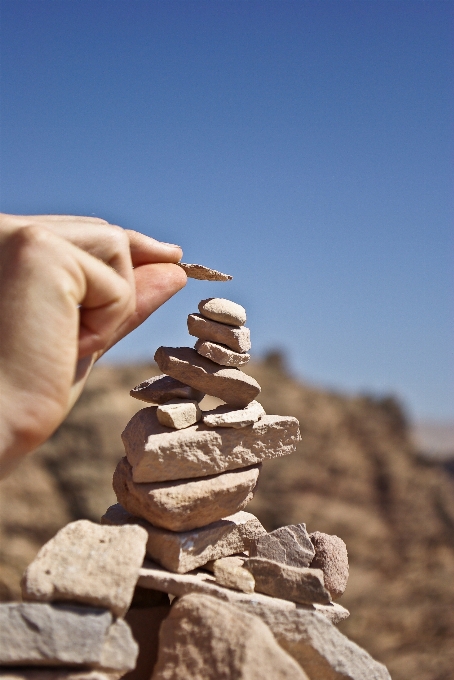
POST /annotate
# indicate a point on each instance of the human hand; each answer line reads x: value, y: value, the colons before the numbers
x: 70, y: 288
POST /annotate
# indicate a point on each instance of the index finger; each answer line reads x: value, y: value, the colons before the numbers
x: 146, y: 250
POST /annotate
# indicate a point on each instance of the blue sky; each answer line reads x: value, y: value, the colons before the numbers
x: 304, y: 147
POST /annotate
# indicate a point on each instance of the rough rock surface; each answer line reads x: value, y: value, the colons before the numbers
x: 33, y: 673
x: 222, y: 310
x: 179, y: 413
x: 298, y: 584
x: 221, y: 354
x: 182, y: 551
x: 332, y: 558
x: 64, y: 635
x: 88, y: 563
x: 204, y: 639
x: 185, y: 504
x: 225, y: 416
x: 159, y: 454
x: 229, y: 572
x: 288, y: 545
x: 237, y: 338
x: 162, y: 388
x: 202, y: 273
x: 229, y: 384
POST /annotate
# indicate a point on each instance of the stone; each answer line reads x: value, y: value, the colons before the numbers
x: 204, y: 639
x: 221, y: 354
x: 185, y: 550
x: 222, y: 310
x: 237, y: 338
x: 202, y: 273
x: 179, y: 413
x: 229, y: 384
x: 226, y: 416
x: 89, y: 563
x: 185, y: 504
x: 332, y: 558
x: 228, y: 572
x: 42, y: 634
x: 162, y: 388
x: 34, y: 673
x: 145, y: 623
x: 288, y: 545
x: 159, y: 454
x: 298, y: 584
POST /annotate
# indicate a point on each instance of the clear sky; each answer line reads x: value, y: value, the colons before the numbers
x: 304, y: 147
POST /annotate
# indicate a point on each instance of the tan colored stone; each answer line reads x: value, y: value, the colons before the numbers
x: 299, y: 584
x: 185, y: 550
x: 202, y: 273
x: 332, y: 558
x: 288, y: 545
x: 221, y: 354
x: 162, y: 388
x: 237, y: 338
x: 226, y: 416
x: 222, y: 310
x: 229, y: 384
x: 205, y: 639
x: 179, y: 413
x: 184, y: 505
x: 228, y: 572
x: 159, y: 454
x: 88, y: 563
x: 35, y: 673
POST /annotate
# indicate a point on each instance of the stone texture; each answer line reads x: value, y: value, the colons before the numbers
x: 32, y: 673
x: 179, y: 413
x: 88, y: 563
x: 237, y: 338
x: 228, y: 384
x: 159, y: 454
x: 225, y: 416
x: 222, y: 310
x: 332, y: 558
x: 202, y: 273
x: 183, y: 505
x: 298, y: 584
x: 229, y: 571
x: 162, y: 388
x: 288, y: 545
x: 182, y: 551
x: 64, y: 635
x: 221, y: 354
x: 204, y: 639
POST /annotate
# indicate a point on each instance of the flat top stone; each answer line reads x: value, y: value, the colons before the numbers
x: 202, y: 273
x: 299, y: 584
x: 225, y: 311
x: 226, y: 416
x: 221, y: 354
x: 237, y: 338
x: 288, y: 545
x: 162, y: 388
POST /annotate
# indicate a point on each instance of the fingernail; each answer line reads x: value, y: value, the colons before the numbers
x: 172, y: 245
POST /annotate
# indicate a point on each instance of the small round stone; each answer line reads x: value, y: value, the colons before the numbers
x: 225, y: 311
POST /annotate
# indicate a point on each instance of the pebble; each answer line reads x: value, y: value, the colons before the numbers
x: 332, y: 558
x: 225, y: 311
x: 179, y: 413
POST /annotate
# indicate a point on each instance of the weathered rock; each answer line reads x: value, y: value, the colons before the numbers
x: 237, y: 338
x: 162, y: 388
x: 288, y: 545
x: 33, y: 673
x: 88, y: 563
x: 228, y: 384
x: 228, y: 571
x: 159, y: 454
x: 64, y: 635
x: 332, y: 558
x: 185, y: 550
x: 185, y: 504
x: 222, y: 310
x: 198, y: 271
x: 204, y: 639
x: 298, y: 584
x: 225, y: 416
x: 221, y: 354
x: 179, y: 413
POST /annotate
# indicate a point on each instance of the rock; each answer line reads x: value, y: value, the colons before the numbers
x: 64, y: 635
x: 88, y: 563
x: 332, y: 558
x: 162, y: 388
x: 159, y: 454
x: 185, y: 505
x: 228, y: 384
x: 298, y: 584
x: 229, y: 572
x: 145, y: 623
x: 33, y: 673
x: 288, y: 545
x: 198, y: 271
x: 179, y: 413
x: 221, y: 354
x: 226, y: 416
x: 204, y: 639
x: 238, y: 339
x: 222, y: 310
x: 182, y: 551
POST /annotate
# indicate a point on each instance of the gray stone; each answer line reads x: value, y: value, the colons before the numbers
x: 332, y: 558
x: 288, y: 545
x: 179, y: 413
x: 298, y: 584
x: 221, y: 354
x: 226, y: 416
x: 222, y: 310
x: 202, y: 273
x: 162, y: 388
x: 237, y: 338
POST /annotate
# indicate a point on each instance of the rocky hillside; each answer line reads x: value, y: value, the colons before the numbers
x: 355, y: 474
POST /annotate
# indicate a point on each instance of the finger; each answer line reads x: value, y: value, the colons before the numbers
x: 146, y: 250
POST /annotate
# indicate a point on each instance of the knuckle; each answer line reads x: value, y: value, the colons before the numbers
x: 28, y: 242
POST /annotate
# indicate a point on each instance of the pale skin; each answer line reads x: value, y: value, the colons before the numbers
x: 70, y: 288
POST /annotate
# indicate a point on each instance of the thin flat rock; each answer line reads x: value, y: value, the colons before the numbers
x: 162, y: 388
x: 221, y: 354
x: 226, y: 416
x: 298, y: 584
x: 202, y: 273
x: 288, y: 545
x: 237, y: 338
